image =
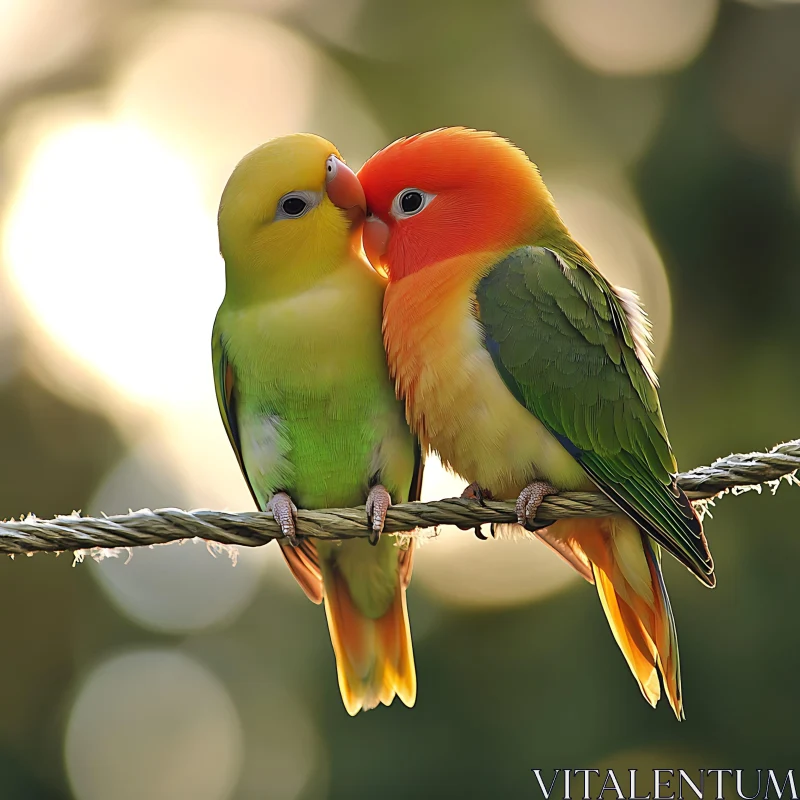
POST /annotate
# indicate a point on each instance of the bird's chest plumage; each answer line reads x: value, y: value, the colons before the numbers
x: 316, y: 412
x: 456, y: 400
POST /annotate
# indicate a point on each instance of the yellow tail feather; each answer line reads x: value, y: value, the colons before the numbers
x: 374, y: 658
x: 627, y: 573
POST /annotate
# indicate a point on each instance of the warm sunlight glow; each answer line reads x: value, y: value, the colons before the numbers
x: 630, y: 37
x: 113, y: 254
x: 110, y: 234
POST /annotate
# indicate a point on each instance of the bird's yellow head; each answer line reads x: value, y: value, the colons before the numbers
x: 290, y: 213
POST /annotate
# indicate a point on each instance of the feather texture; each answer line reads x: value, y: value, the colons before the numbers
x: 586, y: 383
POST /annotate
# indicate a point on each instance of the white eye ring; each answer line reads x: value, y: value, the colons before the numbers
x: 332, y: 167
x: 410, y: 202
x: 294, y: 200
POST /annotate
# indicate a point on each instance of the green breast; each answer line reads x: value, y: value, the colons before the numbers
x: 317, y: 411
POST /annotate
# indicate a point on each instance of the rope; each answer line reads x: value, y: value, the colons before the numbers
x: 735, y: 474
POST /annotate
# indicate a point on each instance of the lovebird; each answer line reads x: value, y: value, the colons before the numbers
x: 306, y: 398
x: 529, y: 373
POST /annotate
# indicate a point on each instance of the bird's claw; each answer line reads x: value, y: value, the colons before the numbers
x: 378, y: 502
x: 285, y: 513
x: 529, y: 500
x: 475, y: 492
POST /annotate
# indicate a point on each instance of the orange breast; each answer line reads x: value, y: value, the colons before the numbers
x: 456, y: 401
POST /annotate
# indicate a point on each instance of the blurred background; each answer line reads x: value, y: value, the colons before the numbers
x: 669, y: 132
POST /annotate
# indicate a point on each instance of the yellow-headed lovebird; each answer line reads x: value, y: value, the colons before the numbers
x: 305, y: 395
x: 530, y: 373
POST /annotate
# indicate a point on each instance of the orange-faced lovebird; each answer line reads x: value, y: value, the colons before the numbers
x: 307, y: 401
x: 529, y: 373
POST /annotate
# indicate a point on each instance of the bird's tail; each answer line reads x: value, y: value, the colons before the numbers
x: 374, y: 658
x: 626, y: 567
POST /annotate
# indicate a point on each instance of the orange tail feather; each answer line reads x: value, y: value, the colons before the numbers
x: 374, y: 658
x: 303, y: 561
x: 627, y: 573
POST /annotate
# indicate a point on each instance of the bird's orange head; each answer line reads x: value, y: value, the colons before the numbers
x: 446, y: 193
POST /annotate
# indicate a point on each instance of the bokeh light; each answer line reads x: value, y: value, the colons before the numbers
x: 263, y: 81
x: 179, y: 587
x: 114, y: 257
x: 630, y: 37
x: 154, y: 724
x: 259, y: 84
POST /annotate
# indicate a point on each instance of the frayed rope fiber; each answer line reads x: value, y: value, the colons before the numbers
x: 735, y: 474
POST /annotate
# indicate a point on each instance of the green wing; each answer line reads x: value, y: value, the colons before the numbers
x: 227, y: 400
x: 573, y: 350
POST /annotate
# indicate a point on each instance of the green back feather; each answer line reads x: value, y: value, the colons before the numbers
x: 565, y: 344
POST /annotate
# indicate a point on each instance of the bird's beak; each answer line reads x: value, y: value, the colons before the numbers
x: 344, y: 189
x: 376, y: 240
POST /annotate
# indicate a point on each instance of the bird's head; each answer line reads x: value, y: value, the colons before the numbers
x: 447, y: 193
x: 290, y: 212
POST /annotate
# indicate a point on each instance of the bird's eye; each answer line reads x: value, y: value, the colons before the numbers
x: 294, y: 206
x: 410, y: 202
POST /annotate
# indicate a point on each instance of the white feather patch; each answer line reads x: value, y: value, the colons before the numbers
x: 265, y: 450
x: 640, y: 327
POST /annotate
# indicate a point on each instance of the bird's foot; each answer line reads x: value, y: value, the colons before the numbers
x: 378, y: 502
x: 475, y: 492
x: 529, y: 500
x: 285, y: 513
